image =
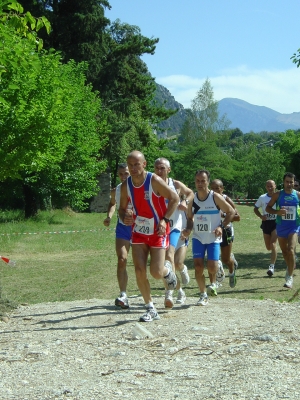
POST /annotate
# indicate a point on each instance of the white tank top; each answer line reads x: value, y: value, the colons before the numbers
x: 118, y: 197
x: 207, y: 217
x: 177, y: 216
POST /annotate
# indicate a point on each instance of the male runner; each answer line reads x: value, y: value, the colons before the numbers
x: 150, y: 217
x: 204, y: 217
x: 123, y: 235
x: 287, y: 222
x: 268, y: 224
x: 162, y: 168
x: 227, y: 256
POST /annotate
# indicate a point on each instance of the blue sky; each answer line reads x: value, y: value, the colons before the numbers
x: 242, y: 46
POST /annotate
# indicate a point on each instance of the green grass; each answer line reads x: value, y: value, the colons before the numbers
x: 82, y: 264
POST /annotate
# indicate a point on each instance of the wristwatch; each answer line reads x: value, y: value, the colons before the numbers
x: 184, y: 198
x: 166, y: 219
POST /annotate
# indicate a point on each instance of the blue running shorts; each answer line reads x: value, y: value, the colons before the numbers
x: 285, y: 231
x: 199, y: 250
x: 123, y: 231
x: 174, y: 237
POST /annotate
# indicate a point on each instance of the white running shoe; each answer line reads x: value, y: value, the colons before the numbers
x: 150, y: 315
x: 203, y: 300
x: 270, y: 271
x: 185, y: 278
x: 213, y: 289
x: 169, y: 303
x: 288, y: 282
x: 181, y: 297
x: 221, y: 273
x: 122, y: 302
x: 236, y: 264
x: 170, y: 278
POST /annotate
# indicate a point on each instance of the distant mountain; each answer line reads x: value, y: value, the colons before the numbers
x: 248, y: 117
x: 245, y: 116
x: 172, y: 125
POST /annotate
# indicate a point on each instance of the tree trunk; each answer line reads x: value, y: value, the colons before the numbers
x: 31, y: 201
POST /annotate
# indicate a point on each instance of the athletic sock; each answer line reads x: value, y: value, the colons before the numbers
x: 150, y: 305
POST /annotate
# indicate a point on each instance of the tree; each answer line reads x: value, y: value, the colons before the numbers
x: 50, y: 135
x: 296, y: 58
x: 203, y: 121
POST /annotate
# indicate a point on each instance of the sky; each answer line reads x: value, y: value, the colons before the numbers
x: 242, y: 46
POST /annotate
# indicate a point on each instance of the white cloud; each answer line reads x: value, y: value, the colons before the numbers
x: 279, y: 90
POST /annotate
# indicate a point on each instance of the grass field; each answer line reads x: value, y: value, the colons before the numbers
x: 62, y: 255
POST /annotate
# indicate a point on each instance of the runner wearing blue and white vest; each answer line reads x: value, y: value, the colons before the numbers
x: 287, y: 222
x: 204, y: 218
x: 177, y: 250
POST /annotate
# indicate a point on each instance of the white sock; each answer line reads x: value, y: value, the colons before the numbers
x: 150, y: 305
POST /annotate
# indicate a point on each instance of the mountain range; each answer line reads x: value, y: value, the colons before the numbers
x: 243, y: 115
x: 249, y: 117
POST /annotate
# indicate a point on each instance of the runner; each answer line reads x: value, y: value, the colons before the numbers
x: 150, y: 217
x: 297, y: 187
x: 162, y: 168
x: 227, y: 256
x: 204, y: 217
x: 268, y: 224
x: 123, y: 235
x: 287, y: 222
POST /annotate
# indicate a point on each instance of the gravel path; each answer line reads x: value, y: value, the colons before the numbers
x: 231, y: 349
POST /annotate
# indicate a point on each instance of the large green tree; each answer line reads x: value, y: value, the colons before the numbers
x: 113, y: 52
x: 50, y: 134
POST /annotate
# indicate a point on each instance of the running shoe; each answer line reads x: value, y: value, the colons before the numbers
x: 185, y: 278
x: 122, y: 302
x: 181, y: 297
x: 169, y: 303
x: 213, y: 289
x: 170, y: 278
x: 203, y: 300
x: 236, y: 264
x: 221, y: 273
x: 232, y: 279
x: 150, y: 315
x: 288, y: 282
x: 270, y: 271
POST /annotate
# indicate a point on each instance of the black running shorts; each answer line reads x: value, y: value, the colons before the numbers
x: 268, y: 226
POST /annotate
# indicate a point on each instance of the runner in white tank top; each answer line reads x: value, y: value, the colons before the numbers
x: 176, y: 255
x: 204, y: 216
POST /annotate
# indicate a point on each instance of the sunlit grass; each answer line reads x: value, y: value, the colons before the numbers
x: 62, y: 255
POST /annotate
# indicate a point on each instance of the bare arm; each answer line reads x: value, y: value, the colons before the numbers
x: 124, y: 214
x: 226, y: 208
x: 186, y: 195
x: 185, y: 233
x: 162, y: 189
x: 259, y: 214
x: 271, y: 210
x: 237, y: 216
x: 111, y: 207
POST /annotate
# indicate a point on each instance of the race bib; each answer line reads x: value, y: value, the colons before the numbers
x: 290, y: 213
x: 201, y: 223
x: 143, y: 225
x: 270, y: 216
